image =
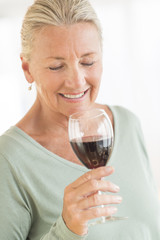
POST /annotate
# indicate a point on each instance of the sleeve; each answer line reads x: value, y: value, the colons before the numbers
x: 15, y: 217
x: 59, y: 231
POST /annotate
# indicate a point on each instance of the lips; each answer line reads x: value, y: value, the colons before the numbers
x: 74, y: 95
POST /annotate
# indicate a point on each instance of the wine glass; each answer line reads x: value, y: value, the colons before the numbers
x: 91, y: 137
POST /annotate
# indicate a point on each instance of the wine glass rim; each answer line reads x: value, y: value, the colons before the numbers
x: 101, y: 112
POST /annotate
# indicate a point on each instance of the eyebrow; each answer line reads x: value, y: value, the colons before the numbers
x: 58, y: 58
x: 88, y: 54
x: 61, y: 58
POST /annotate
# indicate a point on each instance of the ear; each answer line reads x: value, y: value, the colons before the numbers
x: 26, y: 70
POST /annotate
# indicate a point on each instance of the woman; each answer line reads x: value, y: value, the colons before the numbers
x: 42, y: 183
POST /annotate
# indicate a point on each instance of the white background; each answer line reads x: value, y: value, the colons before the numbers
x: 131, y: 78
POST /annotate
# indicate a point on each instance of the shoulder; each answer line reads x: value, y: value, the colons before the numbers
x: 8, y: 140
x: 129, y: 126
x: 127, y: 123
x: 12, y: 146
x: 7, y: 147
x: 123, y: 112
x: 125, y: 116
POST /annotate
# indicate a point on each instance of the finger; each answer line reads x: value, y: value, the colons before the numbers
x: 93, y: 186
x: 97, y: 173
x: 97, y: 212
x: 97, y: 200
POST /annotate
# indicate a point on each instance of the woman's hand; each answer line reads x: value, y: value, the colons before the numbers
x: 82, y: 195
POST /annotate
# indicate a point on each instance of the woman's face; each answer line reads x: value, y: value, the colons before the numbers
x: 66, y: 65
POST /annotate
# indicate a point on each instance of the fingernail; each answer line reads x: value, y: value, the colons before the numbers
x: 112, y: 210
x: 116, y: 188
x: 118, y: 199
x: 109, y: 168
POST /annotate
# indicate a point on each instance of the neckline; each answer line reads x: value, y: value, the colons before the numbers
x: 46, y: 151
x: 65, y: 161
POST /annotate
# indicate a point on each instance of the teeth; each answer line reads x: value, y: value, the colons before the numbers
x: 73, y: 96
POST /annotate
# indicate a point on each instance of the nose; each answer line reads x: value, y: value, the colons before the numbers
x: 75, y: 78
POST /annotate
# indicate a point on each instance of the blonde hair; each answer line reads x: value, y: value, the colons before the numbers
x: 57, y: 13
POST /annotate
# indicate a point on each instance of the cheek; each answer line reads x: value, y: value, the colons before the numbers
x: 95, y: 77
x: 48, y: 83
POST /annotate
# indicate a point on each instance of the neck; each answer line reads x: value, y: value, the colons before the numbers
x: 40, y: 119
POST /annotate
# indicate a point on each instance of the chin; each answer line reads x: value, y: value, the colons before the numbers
x: 79, y: 109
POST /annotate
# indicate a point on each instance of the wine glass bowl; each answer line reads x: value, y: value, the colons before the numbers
x: 91, y: 137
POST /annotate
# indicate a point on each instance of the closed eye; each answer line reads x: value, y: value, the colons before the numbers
x: 87, y: 64
x: 55, y: 68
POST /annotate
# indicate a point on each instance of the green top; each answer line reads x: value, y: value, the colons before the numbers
x: 32, y: 182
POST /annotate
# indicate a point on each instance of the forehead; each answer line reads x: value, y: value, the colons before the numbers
x: 79, y: 38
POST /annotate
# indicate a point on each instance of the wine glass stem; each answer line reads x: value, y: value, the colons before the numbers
x: 102, y: 206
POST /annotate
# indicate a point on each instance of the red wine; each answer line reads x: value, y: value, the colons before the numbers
x: 93, y: 153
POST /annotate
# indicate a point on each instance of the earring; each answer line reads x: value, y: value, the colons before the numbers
x: 30, y: 87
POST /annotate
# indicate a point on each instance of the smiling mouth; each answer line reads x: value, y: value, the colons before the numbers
x: 74, y: 96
